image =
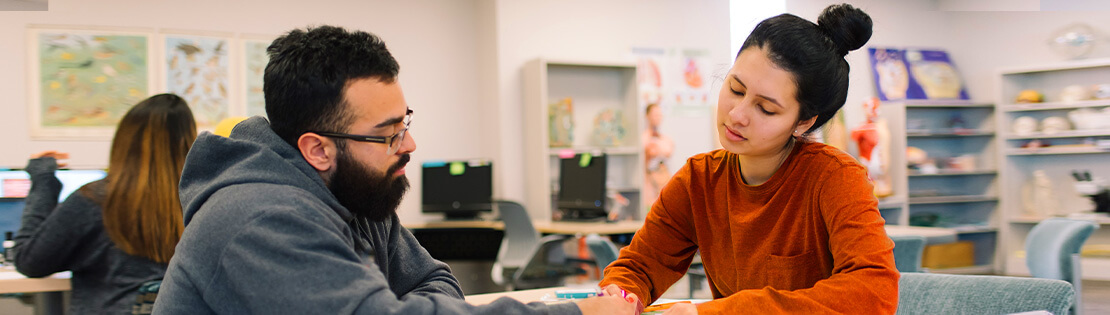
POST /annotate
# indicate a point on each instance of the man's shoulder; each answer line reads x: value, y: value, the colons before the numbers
x: 253, y: 200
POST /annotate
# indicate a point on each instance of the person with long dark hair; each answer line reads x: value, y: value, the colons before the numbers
x: 783, y: 224
x: 119, y: 232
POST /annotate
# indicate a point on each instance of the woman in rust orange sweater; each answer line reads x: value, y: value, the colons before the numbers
x: 783, y: 224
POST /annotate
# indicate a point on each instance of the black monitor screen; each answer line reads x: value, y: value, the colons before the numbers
x: 582, y: 183
x: 459, y: 189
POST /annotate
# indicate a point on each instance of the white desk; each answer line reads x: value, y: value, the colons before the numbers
x: 50, y: 289
x: 522, y: 295
x: 933, y: 235
x: 545, y: 227
x: 12, y: 281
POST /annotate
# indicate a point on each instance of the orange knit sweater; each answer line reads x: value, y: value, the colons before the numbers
x: 809, y: 240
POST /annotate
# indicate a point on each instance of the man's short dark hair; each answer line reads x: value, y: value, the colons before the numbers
x: 308, y: 72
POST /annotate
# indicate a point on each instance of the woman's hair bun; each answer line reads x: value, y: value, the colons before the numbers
x: 848, y: 27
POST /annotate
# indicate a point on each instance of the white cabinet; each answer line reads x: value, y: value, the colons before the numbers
x: 961, y: 193
x: 596, y: 89
x: 1066, y: 150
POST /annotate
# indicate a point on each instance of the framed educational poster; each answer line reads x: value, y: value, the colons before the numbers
x: 197, y: 68
x: 83, y: 80
x: 253, y: 67
x: 915, y: 74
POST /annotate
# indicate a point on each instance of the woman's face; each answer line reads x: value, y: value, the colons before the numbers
x: 757, y: 111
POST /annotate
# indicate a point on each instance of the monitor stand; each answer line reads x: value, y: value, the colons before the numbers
x: 581, y: 215
x: 461, y: 216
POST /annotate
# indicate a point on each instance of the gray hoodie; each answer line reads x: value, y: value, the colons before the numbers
x: 264, y: 235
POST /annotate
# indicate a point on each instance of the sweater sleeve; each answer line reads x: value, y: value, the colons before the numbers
x: 49, y: 235
x: 661, y: 251
x: 413, y: 267
x: 863, y: 280
x: 285, y: 263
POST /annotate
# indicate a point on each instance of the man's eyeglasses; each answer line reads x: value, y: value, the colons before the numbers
x: 394, y: 141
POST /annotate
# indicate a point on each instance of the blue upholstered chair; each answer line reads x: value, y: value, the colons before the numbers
x: 1052, y: 251
x: 930, y: 293
x: 907, y: 252
x: 604, y: 251
x: 144, y: 302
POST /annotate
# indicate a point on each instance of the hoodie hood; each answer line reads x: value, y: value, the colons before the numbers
x: 253, y: 154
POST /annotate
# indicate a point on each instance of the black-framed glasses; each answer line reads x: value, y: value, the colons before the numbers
x: 394, y: 141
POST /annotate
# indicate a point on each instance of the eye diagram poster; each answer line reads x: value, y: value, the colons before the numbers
x: 915, y: 74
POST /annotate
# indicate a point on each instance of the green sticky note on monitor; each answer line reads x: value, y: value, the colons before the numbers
x: 457, y: 168
x: 584, y: 161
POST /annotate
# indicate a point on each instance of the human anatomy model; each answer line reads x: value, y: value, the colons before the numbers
x: 873, y: 141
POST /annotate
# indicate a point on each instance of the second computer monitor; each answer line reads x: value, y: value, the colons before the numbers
x: 459, y: 189
x: 582, y: 187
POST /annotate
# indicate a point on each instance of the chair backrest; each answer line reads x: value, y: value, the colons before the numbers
x: 1051, y: 244
x: 521, y: 237
x: 907, y: 252
x: 928, y: 293
x: 604, y: 251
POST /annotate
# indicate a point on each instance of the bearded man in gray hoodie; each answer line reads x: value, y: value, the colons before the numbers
x: 297, y: 215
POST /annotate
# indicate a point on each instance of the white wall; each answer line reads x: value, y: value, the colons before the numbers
x: 987, y: 41
x: 435, y: 41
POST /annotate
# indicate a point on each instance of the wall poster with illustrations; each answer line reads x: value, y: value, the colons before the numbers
x: 197, y: 68
x: 915, y: 74
x: 83, y: 80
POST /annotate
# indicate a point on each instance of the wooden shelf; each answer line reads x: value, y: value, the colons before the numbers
x: 891, y: 204
x: 919, y: 104
x: 1056, y: 150
x: 972, y: 229
x: 946, y: 172
x: 951, y: 199
x: 1035, y: 220
x: 950, y: 134
x: 1063, y: 134
x: 1058, y: 66
x: 1027, y: 107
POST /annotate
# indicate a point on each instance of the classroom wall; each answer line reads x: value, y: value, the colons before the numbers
x: 601, y: 30
x: 435, y: 41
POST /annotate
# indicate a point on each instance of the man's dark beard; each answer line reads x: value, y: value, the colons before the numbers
x: 365, y: 192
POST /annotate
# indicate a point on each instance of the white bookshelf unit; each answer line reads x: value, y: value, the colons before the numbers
x: 594, y: 87
x: 960, y: 197
x: 1067, y: 150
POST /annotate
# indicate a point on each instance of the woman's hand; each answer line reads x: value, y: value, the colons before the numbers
x: 58, y: 156
x: 606, y: 305
x: 682, y: 309
x: 614, y: 290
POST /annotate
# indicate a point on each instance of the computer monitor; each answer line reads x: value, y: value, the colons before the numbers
x: 459, y: 189
x: 17, y: 183
x: 582, y: 187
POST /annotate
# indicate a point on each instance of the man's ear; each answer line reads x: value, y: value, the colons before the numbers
x: 319, y: 151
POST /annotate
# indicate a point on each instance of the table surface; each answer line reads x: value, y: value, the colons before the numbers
x: 546, y: 227
x: 933, y: 235
x: 522, y: 295
x: 12, y: 281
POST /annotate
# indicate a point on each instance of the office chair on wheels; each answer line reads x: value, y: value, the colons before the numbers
x: 526, y: 260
